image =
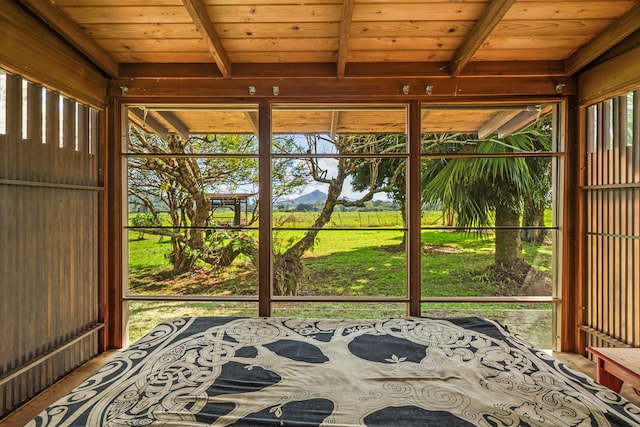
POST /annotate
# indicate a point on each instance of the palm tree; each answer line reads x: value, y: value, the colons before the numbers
x: 486, y: 189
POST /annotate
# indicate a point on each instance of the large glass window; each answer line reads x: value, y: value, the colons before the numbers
x: 192, y: 235
x: 489, y: 224
x: 340, y: 231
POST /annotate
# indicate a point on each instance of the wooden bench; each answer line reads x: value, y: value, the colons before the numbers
x: 617, y: 365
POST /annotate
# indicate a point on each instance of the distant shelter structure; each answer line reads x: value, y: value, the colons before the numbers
x: 236, y: 202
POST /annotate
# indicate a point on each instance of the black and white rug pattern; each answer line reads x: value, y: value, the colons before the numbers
x: 209, y: 371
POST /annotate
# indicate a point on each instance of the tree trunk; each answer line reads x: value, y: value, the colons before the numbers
x: 508, y: 243
x: 533, y: 216
x: 287, y: 267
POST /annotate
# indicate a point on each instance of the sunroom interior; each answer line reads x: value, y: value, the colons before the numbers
x: 134, y: 135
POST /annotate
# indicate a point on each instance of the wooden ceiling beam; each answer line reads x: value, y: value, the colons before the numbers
x: 374, y: 70
x: 252, y: 118
x: 521, y: 121
x: 496, y: 122
x: 335, y: 121
x: 200, y: 17
x: 609, y: 37
x: 491, y: 17
x: 341, y: 89
x: 179, y: 127
x: 345, y: 28
x: 147, y: 122
x: 74, y: 34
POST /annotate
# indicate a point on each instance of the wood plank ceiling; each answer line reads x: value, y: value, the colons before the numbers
x: 343, y: 44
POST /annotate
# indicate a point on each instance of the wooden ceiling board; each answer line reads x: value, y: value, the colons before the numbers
x: 128, y: 14
x: 289, y: 30
x: 282, y: 56
x: 460, y: 121
x: 423, y: 11
x: 270, y: 13
x: 533, y: 54
x: 411, y: 29
x: 410, y: 39
x: 139, y: 31
x: 154, y: 45
x: 215, y: 121
x: 203, y: 57
x: 400, y: 56
x: 404, y: 43
x: 525, y: 10
x: 559, y: 28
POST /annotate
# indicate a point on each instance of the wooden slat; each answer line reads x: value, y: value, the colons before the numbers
x: 32, y: 49
x: 560, y: 10
x: 49, y: 240
x: 128, y: 14
x: 611, y: 78
x: 551, y: 27
x: 427, y: 11
x: 424, y: 45
x: 532, y: 53
x: 53, y: 16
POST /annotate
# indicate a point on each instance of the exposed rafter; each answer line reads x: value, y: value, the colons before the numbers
x: 613, y: 34
x: 198, y: 12
x: 492, y: 15
x: 335, y: 120
x: 522, y: 120
x: 148, y: 123
x: 252, y: 118
x: 179, y: 127
x: 74, y: 34
x: 345, y: 28
x: 495, y: 122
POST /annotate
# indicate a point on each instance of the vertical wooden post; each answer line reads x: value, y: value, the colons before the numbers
x: 114, y: 198
x: 414, y: 206
x: 264, y: 204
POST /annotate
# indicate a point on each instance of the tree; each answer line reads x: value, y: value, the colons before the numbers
x: 482, y: 189
x: 389, y: 173
x: 287, y: 266
x: 172, y: 171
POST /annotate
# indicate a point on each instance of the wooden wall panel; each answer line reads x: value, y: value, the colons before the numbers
x: 32, y: 49
x: 613, y: 222
x: 49, y: 233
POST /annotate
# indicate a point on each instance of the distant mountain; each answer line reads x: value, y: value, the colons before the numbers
x: 316, y: 196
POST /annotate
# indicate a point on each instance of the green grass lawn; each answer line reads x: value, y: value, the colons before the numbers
x: 348, y: 263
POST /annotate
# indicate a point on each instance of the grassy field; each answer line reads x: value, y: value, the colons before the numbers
x: 353, y: 263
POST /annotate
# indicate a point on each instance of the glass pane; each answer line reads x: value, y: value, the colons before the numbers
x: 192, y: 130
x: 339, y: 130
x: 171, y: 184
x: 359, y: 192
x: 145, y: 315
x: 510, y: 129
x: 339, y: 310
x: 340, y: 263
x: 459, y: 263
x: 183, y: 261
x: 532, y: 322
